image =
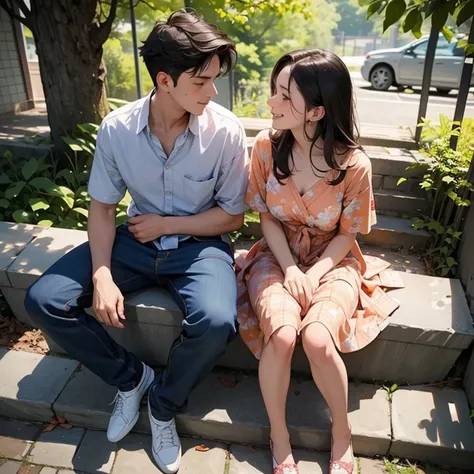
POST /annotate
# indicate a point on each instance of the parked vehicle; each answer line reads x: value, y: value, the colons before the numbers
x: 403, y: 67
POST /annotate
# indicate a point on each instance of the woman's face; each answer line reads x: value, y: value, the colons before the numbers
x: 287, y: 105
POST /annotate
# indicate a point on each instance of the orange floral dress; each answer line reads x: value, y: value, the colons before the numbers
x: 350, y: 301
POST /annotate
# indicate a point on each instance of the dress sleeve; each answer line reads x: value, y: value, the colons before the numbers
x: 358, y: 213
x: 260, y: 161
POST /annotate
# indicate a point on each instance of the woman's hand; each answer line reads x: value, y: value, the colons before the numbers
x: 299, y: 285
x: 314, y: 277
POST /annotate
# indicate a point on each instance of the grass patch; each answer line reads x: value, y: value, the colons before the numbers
x: 396, y: 467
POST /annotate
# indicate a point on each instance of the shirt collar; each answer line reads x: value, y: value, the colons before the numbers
x: 194, y: 124
x: 144, y: 112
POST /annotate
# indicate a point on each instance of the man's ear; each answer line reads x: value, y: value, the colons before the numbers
x: 164, y: 81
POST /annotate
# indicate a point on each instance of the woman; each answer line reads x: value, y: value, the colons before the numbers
x: 311, y: 183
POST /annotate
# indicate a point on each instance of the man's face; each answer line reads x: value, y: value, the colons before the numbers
x: 193, y: 93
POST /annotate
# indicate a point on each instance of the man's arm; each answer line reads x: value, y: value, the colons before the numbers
x: 227, y: 216
x: 106, y: 188
x: 215, y: 221
x: 108, y: 299
x: 101, y: 233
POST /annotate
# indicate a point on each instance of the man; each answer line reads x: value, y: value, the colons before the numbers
x: 183, y: 160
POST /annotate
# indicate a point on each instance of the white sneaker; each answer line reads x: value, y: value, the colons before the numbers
x: 127, y: 405
x: 166, y: 446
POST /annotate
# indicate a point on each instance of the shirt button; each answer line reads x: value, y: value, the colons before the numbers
x: 167, y: 166
x: 168, y: 193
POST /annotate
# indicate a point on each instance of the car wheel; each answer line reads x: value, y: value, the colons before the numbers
x: 442, y: 90
x: 381, y: 77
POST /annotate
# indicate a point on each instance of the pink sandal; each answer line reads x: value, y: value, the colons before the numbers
x: 283, y: 468
x: 341, y: 467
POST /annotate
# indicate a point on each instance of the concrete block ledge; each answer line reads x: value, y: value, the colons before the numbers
x: 424, y: 338
x: 31, y: 383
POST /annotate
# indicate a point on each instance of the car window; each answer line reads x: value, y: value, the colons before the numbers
x: 420, y: 49
x: 458, y: 51
x: 443, y: 48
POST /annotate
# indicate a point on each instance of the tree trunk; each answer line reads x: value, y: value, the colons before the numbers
x: 70, y: 59
x: 463, y: 89
x: 426, y: 82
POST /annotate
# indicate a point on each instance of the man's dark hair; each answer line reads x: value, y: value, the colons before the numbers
x: 185, y: 41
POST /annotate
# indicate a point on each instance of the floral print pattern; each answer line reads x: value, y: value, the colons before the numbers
x: 349, y: 301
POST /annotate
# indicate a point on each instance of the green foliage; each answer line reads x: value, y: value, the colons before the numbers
x: 38, y: 191
x: 251, y: 99
x: 353, y: 21
x: 120, y: 70
x: 396, y: 467
x: 251, y: 218
x: 390, y: 391
x: 239, y: 11
x: 412, y: 14
x: 445, y: 181
x: 260, y: 30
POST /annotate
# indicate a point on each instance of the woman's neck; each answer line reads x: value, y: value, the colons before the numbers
x: 304, y: 147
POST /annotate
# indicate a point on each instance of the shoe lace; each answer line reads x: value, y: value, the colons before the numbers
x: 119, y: 403
x: 167, y: 437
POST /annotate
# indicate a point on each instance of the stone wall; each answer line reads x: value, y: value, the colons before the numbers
x: 12, y: 86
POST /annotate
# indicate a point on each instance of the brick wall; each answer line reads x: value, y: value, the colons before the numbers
x: 12, y: 87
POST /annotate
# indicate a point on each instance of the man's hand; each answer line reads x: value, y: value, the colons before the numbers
x: 108, y: 302
x: 147, y: 227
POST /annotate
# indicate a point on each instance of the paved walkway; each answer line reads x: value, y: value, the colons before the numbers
x: 24, y: 125
x: 25, y: 448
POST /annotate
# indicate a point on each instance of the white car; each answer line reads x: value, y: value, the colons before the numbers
x: 403, y: 67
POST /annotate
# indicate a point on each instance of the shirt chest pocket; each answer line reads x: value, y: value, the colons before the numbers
x: 198, y: 193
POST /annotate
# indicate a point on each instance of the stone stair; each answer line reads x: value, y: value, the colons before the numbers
x: 421, y: 344
x: 424, y: 338
x: 420, y: 423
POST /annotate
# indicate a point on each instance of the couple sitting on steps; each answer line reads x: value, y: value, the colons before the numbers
x: 184, y: 161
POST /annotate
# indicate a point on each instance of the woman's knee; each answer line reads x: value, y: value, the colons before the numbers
x: 317, y: 343
x: 283, y: 341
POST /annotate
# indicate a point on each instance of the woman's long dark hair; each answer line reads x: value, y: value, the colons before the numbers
x: 323, y: 80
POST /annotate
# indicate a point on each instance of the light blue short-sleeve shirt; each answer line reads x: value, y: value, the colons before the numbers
x: 208, y: 166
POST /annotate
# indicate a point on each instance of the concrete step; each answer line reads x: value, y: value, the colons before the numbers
x: 389, y: 232
x: 395, y: 232
x: 25, y: 148
x: 400, y: 259
x: 398, y: 203
x: 89, y: 451
x: 388, y: 161
x: 423, y: 340
x: 419, y: 423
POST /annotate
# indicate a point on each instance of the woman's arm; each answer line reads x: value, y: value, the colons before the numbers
x: 296, y: 282
x: 337, y: 250
x: 276, y: 240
